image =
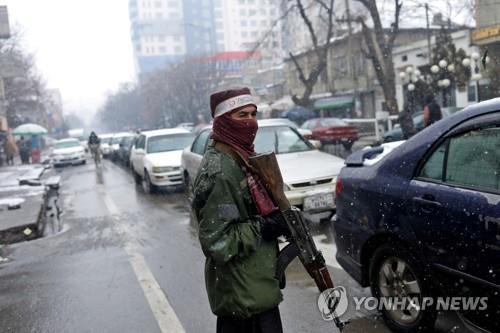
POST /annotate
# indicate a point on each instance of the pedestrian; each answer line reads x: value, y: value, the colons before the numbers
x: 432, y: 111
x: 10, y: 149
x: 239, y: 242
x: 406, y: 120
x: 24, y: 150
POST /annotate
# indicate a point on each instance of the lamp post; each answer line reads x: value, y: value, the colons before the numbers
x: 473, y: 64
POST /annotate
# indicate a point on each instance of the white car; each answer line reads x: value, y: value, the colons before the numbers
x: 155, y: 157
x: 68, y: 151
x: 114, y: 143
x: 105, y: 141
x: 310, y: 175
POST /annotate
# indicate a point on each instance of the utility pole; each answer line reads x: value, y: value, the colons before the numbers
x: 352, y: 68
x: 428, y: 32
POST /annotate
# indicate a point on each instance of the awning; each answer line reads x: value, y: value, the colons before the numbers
x: 334, y: 103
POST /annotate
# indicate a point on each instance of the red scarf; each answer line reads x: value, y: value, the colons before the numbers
x: 239, y: 134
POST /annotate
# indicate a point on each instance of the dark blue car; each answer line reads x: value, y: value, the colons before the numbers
x: 424, y: 220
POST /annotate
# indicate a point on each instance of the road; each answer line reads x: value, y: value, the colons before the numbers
x: 126, y: 261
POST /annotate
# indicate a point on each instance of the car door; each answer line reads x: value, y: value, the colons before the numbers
x: 138, y: 154
x: 454, y: 204
x: 193, y: 159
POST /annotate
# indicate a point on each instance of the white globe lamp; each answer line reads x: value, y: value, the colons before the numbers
x: 411, y: 87
x: 443, y: 63
x: 435, y: 69
x: 466, y: 62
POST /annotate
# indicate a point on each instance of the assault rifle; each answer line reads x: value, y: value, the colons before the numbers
x: 301, y: 242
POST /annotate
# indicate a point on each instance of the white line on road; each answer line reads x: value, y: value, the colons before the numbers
x: 162, y: 310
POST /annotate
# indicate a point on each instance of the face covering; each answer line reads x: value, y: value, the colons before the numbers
x: 239, y: 134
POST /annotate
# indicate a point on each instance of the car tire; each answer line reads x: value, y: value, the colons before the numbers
x: 137, y: 177
x: 394, y: 271
x: 188, y: 187
x: 147, y: 185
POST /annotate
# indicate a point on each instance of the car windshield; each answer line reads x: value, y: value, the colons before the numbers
x: 127, y: 140
x: 116, y: 140
x: 67, y: 144
x: 327, y: 122
x: 281, y: 140
x: 106, y: 140
x: 169, y: 142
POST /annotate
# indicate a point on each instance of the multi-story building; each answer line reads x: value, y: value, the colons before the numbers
x: 242, y: 24
x: 164, y: 32
x: 487, y: 32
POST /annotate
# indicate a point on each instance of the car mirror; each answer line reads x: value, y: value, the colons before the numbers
x: 315, y: 143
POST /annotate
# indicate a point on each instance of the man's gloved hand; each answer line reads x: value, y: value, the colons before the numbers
x: 273, y: 226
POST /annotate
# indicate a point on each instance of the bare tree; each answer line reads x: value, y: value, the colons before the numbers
x: 310, y: 76
x: 380, y: 43
x: 24, y: 87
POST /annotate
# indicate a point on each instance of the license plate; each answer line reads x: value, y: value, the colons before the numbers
x: 319, y: 201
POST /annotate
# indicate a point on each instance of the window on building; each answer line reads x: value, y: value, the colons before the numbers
x: 254, y: 34
x: 244, y: 34
x: 158, y: 4
x: 172, y: 4
x: 243, y: 23
x: 404, y: 58
x: 252, y: 12
x: 162, y: 49
x: 159, y: 15
x: 177, y: 38
x: 263, y: 11
x: 161, y: 38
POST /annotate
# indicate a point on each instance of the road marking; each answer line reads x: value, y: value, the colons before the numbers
x: 162, y: 310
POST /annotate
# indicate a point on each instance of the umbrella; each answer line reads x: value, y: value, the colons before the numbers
x: 29, y: 129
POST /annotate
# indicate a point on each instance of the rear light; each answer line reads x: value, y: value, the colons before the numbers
x: 339, y: 187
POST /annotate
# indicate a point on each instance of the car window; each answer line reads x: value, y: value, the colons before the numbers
x: 433, y: 168
x: 67, y: 144
x: 200, y: 143
x: 327, y: 122
x: 169, y: 142
x: 280, y: 139
x: 141, y: 142
x: 474, y: 159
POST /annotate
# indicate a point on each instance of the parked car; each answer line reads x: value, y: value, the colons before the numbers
x: 67, y: 151
x: 309, y: 175
x: 123, y: 154
x: 155, y: 157
x: 424, y: 219
x: 396, y: 133
x: 105, y: 141
x: 186, y: 126
x: 114, y: 144
x: 332, y: 131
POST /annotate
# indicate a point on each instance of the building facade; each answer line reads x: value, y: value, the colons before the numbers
x: 164, y: 32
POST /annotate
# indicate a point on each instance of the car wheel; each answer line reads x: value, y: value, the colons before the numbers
x: 147, y: 185
x: 188, y: 187
x: 395, y: 273
x: 137, y: 177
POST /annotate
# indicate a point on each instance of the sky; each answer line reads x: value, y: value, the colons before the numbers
x: 81, y: 47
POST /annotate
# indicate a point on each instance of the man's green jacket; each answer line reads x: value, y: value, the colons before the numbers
x: 240, y: 265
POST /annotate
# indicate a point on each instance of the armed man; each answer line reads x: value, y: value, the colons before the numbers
x: 238, y: 222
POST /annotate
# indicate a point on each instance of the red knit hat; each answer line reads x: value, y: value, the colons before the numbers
x: 230, y: 100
